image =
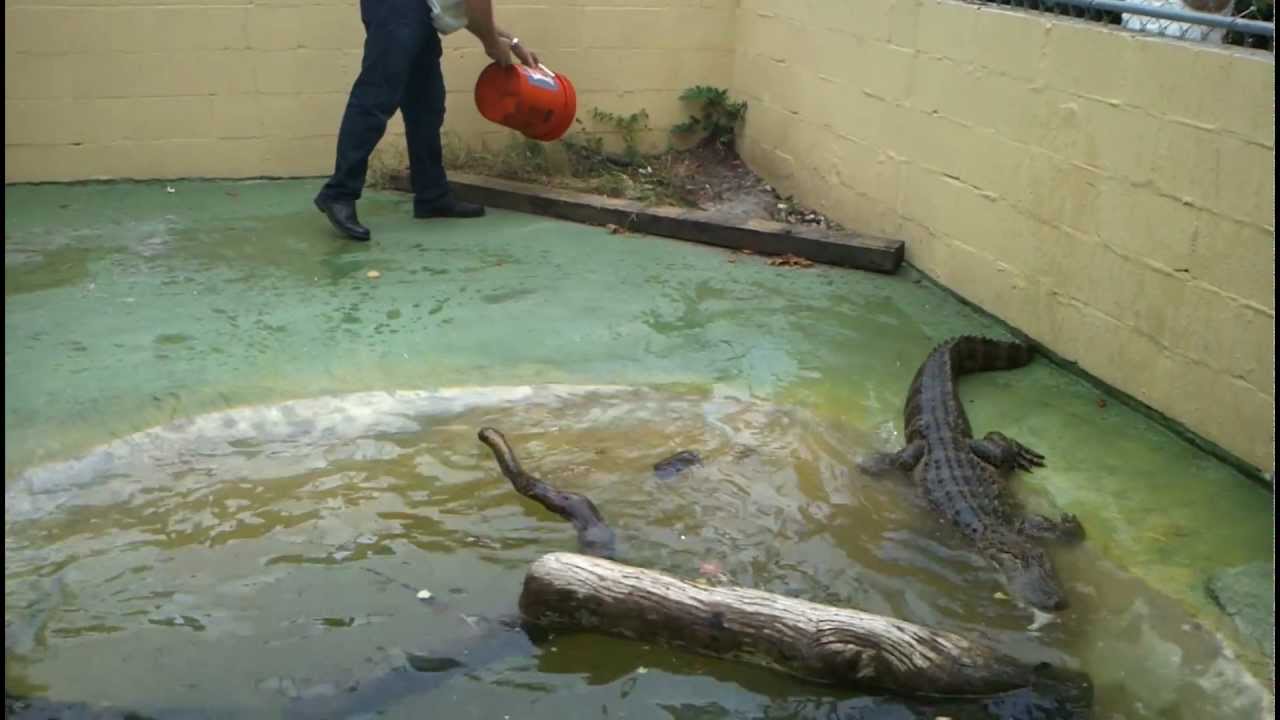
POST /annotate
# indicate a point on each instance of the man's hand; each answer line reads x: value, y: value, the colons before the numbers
x: 526, y: 56
x: 499, y: 51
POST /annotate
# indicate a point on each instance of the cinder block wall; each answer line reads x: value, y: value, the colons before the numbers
x: 245, y: 88
x: 1110, y: 195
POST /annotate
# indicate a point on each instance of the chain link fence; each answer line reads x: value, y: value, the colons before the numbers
x: 1246, y: 23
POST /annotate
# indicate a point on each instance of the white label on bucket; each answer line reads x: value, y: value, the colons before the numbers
x: 541, y: 80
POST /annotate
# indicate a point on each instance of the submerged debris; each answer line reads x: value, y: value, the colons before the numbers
x: 431, y: 664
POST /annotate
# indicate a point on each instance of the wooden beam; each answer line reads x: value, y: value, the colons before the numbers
x: 764, y: 237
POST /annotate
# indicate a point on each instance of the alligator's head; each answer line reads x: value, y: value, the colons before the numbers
x: 1029, y: 575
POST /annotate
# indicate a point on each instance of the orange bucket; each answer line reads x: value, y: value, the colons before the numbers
x: 533, y: 101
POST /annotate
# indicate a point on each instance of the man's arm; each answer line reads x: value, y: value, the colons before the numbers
x: 480, y: 20
x: 480, y: 23
x: 522, y: 53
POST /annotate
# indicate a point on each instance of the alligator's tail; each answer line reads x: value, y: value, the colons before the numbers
x: 971, y: 354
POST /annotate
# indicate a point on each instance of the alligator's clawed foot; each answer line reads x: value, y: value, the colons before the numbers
x: 877, y: 464
x: 904, y: 460
x: 1066, y: 528
x: 1006, y: 453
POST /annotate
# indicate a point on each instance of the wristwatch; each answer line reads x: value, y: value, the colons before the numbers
x: 515, y: 42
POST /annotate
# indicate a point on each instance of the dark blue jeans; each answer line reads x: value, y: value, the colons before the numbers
x: 400, y: 70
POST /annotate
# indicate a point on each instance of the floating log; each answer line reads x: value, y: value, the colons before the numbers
x: 567, y: 592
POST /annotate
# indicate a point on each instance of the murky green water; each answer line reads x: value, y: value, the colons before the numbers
x: 267, y: 559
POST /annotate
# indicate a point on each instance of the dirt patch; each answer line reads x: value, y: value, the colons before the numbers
x: 708, y: 177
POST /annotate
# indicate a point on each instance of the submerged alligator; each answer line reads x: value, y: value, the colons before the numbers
x: 959, y: 475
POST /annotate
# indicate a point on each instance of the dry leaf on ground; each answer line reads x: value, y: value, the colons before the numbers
x: 790, y: 261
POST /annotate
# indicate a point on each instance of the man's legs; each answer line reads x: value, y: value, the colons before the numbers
x: 395, y: 33
x: 423, y: 109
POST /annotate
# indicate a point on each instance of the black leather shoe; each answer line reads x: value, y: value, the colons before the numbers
x: 449, y: 208
x: 343, y: 217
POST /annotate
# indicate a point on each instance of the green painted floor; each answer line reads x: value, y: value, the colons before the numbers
x: 128, y: 306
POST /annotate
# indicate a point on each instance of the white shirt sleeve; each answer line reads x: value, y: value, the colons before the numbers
x: 448, y: 16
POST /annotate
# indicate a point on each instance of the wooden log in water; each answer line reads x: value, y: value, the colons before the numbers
x: 566, y: 592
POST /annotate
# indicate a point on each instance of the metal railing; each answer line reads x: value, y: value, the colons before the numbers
x: 1247, y: 23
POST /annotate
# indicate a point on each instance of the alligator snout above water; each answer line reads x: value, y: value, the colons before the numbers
x: 673, y: 465
x: 960, y: 476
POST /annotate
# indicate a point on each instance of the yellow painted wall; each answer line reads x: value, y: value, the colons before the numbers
x: 1110, y: 195
x: 243, y: 88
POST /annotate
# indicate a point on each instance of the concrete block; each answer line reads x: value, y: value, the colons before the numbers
x: 315, y: 27
x: 701, y: 28
x: 980, y: 221
x: 1168, y: 78
x: 844, y: 18
x: 126, y: 28
x: 1224, y: 334
x: 150, y: 119
x: 1244, y: 184
x: 1234, y: 257
x: 917, y: 203
x: 52, y: 30
x: 299, y: 156
x: 989, y: 282
x: 926, y: 140
x: 1117, y: 140
x: 1244, y: 100
x: 304, y: 115
x: 236, y: 116
x: 38, y: 163
x: 946, y: 29
x: 833, y: 57
x: 1087, y: 59
x: 49, y: 122
x: 546, y: 27
x: 1061, y: 193
x: 121, y: 75
x: 629, y: 27
x: 1215, y: 405
x: 865, y: 170
x: 274, y: 27
x: 1152, y: 300
x: 943, y: 86
x: 34, y: 77
x: 1010, y: 42
x: 1208, y: 86
x: 1140, y: 222
x: 177, y: 29
x: 1185, y: 162
x: 901, y: 19
x: 887, y: 70
x: 1000, y: 102
x: 989, y: 161
x: 1074, y: 329
x: 306, y: 71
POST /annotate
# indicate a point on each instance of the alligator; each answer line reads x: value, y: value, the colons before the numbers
x: 962, y: 478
